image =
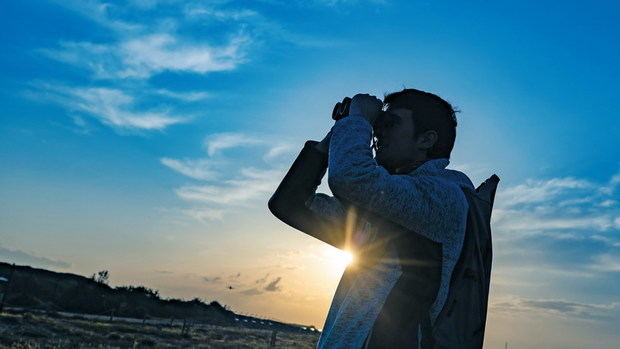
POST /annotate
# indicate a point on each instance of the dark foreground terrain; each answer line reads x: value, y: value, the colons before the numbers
x: 39, y: 330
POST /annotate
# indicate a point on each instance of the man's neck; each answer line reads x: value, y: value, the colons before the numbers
x: 408, y: 167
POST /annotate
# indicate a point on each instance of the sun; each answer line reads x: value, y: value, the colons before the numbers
x: 343, y: 258
x: 336, y: 259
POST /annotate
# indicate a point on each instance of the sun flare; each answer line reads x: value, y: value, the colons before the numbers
x: 344, y: 258
x: 336, y: 259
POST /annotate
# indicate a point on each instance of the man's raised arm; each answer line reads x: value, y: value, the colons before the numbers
x: 297, y: 204
x: 356, y: 177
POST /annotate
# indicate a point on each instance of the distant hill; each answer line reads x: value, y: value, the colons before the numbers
x: 48, y: 290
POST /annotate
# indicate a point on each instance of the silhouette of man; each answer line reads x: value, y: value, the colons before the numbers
x: 401, y: 212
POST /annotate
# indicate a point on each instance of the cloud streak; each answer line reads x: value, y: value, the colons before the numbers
x: 188, y: 96
x: 201, y: 169
x: 138, y: 46
x: 273, y: 285
x: 251, y: 292
x: 555, y: 205
x: 144, y: 56
x: 99, y: 12
x: 212, y: 279
x: 217, y: 142
x: 233, y: 192
x: 556, y: 231
x: 226, y: 181
x: 535, y: 191
x: 112, y: 107
x: 559, y: 308
x: 21, y: 257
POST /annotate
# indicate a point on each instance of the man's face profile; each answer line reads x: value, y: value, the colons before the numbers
x: 394, y: 132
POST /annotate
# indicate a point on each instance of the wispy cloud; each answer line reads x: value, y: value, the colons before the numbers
x: 607, y: 262
x: 263, y: 29
x: 21, y: 257
x: 112, y: 107
x: 143, y: 56
x: 202, y: 169
x: 202, y: 10
x: 563, y: 229
x: 273, y: 285
x: 159, y: 52
x: 163, y: 272
x: 558, y: 308
x: 205, y: 214
x: 188, y: 96
x: 277, y: 150
x: 535, y: 191
x: 150, y: 4
x: 142, y: 42
x: 533, y: 221
x: 228, y: 181
x: 100, y: 13
x: 263, y: 279
x: 212, y: 279
x: 221, y: 141
x: 555, y: 204
x: 251, y: 185
x: 251, y: 292
x: 608, y: 203
x: 139, y: 44
x: 270, y: 287
x: 614, y: 182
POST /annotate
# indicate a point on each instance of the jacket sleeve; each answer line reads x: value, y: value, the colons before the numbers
x: 414, y: 202
x: 297, y: 204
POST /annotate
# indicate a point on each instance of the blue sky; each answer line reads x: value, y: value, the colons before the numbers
x: 145, y: 137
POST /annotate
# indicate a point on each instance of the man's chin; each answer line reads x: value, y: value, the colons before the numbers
x: 380, y: 161
x: 385, y: 165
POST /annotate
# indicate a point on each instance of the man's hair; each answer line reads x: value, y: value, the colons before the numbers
x: 430, y: 112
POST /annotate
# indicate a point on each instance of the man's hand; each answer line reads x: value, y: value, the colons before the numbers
x: 368, y: 106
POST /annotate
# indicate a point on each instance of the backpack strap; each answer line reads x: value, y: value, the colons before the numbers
x: 427, y: 341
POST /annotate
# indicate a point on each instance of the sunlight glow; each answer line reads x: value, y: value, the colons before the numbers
x: 344, y: 258
x: 336, y: 259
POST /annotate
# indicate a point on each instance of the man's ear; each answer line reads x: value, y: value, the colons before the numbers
x: 427, y: 139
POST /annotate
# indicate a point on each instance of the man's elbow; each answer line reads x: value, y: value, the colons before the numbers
x: 275, y: 206
x: 282, y: 206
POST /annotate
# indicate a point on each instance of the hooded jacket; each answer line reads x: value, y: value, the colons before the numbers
x: 405, y: 230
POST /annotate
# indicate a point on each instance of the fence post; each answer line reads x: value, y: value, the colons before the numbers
x: 272, y: 343
x: 6, y: 288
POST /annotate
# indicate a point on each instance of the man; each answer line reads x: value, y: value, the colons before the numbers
x: 402, y: 213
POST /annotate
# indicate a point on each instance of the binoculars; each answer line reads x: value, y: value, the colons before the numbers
x: 341, y: 109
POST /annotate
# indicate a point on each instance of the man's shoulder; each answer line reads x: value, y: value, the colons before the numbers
x: 445, y: 200
x: 437, y: 169
x: 442, y: 183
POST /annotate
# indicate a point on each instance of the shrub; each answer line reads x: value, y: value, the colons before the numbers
x: 216, y: 336
x: 147, y: 342
x: 10, y: 320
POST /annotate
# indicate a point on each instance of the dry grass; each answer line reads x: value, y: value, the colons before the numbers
x: 29, y: 330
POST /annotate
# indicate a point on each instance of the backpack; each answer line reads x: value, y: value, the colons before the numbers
x: 461, y: 322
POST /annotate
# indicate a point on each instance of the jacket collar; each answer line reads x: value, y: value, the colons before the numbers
x: 426, y: 168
